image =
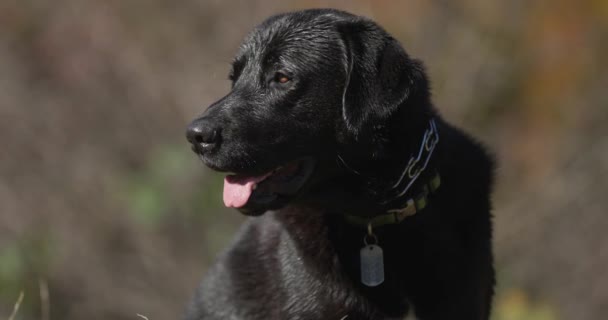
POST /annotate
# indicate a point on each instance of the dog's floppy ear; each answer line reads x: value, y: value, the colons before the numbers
x: 379, y: 74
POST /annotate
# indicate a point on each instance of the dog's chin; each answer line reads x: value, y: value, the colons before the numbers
x: 254, y: 194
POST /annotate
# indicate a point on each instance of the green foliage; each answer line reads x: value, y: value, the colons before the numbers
x: 147, y: 193
x: 11, y: 270
x: 515, y: 304
x: 22, y: 265
x: 152, y: 193
x: 146, y: 200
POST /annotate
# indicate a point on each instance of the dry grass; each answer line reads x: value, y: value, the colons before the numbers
x: 45, y: 305
x: 17, y: 305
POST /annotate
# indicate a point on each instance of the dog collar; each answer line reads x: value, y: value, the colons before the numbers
x: 395, y: 216
x: 371, y: 255
x: 416, y: 164
x: 414, y: 168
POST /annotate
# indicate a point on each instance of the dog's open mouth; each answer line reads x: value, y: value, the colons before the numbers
x: 242, y: 191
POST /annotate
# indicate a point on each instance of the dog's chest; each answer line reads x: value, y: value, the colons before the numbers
x: 312, y: 295
x: 409, y: 316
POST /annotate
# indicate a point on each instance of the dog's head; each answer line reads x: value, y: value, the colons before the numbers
x: 309, y: 88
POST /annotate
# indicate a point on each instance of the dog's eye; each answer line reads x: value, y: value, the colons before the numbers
x: 281, y: 78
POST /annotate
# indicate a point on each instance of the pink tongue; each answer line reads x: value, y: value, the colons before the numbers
x: 237, y: 190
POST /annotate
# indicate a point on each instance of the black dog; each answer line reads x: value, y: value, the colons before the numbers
x: 380, y: 209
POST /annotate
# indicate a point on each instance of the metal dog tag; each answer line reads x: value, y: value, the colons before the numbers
x: 372, y: 265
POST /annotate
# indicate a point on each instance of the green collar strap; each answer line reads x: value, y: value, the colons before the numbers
x: 395, y: 216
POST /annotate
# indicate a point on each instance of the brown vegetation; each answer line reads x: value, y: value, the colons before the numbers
x: 101, y: 197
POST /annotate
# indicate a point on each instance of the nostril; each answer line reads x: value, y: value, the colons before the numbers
x: 209, y: 136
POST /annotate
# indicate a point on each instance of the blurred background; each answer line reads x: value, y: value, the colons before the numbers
x: 105, y: 213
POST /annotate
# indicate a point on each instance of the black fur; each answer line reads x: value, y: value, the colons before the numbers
x: 355, y: 94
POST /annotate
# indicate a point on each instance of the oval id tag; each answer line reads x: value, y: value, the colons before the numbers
x: 372, y: 265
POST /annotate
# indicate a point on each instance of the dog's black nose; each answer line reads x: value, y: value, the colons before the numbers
x: 203, y: 135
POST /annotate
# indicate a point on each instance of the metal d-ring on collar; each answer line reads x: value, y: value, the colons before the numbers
x: 418, y: 163
x: 370, y: 235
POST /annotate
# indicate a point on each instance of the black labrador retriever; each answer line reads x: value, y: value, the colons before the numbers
x: 376, y: 208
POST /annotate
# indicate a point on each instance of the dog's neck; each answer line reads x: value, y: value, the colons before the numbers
x: 329, y: 245
x: 332, y: 244
x: 396, y: 172
x: 417, y: 166
x: 395, y: 194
